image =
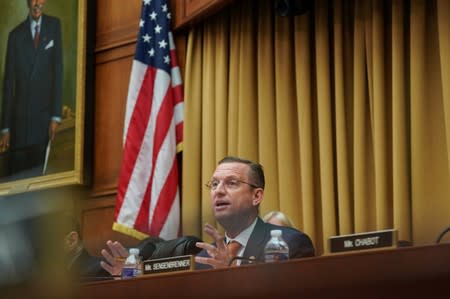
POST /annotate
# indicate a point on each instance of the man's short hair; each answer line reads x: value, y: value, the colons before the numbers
x: 70, y: 223
x: 256, y: 171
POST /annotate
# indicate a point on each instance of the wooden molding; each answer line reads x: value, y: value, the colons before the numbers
x: 115, y: 38
x: 188, y: 12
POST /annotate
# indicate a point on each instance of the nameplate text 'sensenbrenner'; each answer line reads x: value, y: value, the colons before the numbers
x: 170, y: 264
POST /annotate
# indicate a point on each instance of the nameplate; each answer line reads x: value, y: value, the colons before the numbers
x: 363, y: 241
x: 170, y: 264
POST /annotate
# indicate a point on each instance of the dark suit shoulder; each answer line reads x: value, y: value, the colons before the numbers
x: 22, y: 27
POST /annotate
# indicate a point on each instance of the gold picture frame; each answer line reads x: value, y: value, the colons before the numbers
x: 66, y: 155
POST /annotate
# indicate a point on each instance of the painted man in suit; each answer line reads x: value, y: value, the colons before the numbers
x: 32, y: 89
x: 237, y: 190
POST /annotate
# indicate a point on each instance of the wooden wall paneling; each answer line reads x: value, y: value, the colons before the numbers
x: 111, y: 88
x: 180, y: 39
x: 117, y: 23
x: 177, y: 8
x: 96, y: 220
x: 194, y: 7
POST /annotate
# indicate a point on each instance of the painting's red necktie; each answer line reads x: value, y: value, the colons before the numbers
x: 36, y: 36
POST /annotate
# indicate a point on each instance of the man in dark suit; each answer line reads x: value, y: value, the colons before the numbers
x: 237, y: 189
x: 80, y: 264
x: 32, y: 89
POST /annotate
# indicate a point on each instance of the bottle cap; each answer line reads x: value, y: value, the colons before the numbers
x: 134, y: 251
x: 275, y: 233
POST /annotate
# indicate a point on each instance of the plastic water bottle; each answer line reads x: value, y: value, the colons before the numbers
x: 132, y: 265
x: 276, y: 249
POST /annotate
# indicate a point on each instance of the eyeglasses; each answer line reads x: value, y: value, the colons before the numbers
x: 230, y: 184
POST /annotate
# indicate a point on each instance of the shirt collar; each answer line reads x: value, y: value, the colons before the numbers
x: 33, y: 23
x: 243, y: 237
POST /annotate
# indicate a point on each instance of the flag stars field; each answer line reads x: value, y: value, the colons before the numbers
x: 147, y: 38
x: 162, y: 44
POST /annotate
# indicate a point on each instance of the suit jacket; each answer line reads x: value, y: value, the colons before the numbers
x: 299, y: 243
x: 32, y: 82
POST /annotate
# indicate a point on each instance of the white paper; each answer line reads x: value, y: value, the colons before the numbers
x: 47, y: 153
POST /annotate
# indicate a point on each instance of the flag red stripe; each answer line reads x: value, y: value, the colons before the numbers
x: 163, y: 120
x: 135, y: 134
x: 141, y: 223
x: 165, y: 200
x: 177, y: 94
x: 173, y: 57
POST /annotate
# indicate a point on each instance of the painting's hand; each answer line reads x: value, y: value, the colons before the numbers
x: 115, y: 258
x: 52, y: 129
x: 219, y: 257
x: 4, y: 142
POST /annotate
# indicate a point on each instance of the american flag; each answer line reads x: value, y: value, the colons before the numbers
x: 148, y: 201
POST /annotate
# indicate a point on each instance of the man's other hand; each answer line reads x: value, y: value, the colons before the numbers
x: 52, y: 129
x: 115, y: 257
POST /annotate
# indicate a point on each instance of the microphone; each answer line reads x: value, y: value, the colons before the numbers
x: 176, y: 247
x: 148, y: 246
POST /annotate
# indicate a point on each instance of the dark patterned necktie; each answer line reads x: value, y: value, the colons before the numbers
x: 36, y: 36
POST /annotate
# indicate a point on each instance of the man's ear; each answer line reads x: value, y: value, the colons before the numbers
x: 72, y: 240
x: 258, y: 196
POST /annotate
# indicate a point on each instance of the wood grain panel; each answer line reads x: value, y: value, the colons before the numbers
x: 111, y: 88
x: 97, y: 219
x: 181, y: 47
x: 193, y: 7
x: 193, y: 11
x: 117, y: 23
x: 414, y: 272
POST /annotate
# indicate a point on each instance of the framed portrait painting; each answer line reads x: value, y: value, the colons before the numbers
x: 42, y: 94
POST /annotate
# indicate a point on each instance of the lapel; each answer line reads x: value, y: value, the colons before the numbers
x: 43, y: 33
x: 257, y: 241
x: 43, y: 39
x: 25, y: 45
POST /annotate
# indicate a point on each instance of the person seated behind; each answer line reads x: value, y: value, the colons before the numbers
x: 80, y: 264
x: 278, y: 218
x: 237, y: 189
